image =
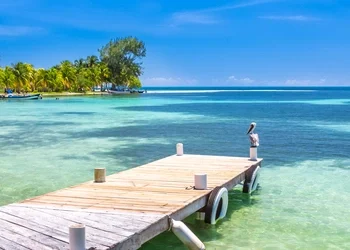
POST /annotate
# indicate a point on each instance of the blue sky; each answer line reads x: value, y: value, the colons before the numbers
x: 221, y: 42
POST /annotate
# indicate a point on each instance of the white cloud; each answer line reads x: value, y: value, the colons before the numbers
x: 295, y: 82
x: 6, y: 30
x: 244, y: 80
x: 206, y: 16
x: 299, y: 18
x: 168, y: 81
x: 236, y: 6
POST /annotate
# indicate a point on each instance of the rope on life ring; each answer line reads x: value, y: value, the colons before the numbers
x: 250, y: 185
x: 217, y: 205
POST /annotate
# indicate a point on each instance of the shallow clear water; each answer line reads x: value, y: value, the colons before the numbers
x: 303, y: 201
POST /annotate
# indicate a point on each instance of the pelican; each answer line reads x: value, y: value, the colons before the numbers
x: 254, y: 138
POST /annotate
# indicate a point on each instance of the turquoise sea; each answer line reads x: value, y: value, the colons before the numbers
x: 304, y: 197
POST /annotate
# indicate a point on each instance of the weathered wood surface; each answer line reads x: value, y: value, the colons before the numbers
x: 127, y: 210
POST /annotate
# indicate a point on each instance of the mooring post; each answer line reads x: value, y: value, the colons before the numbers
x: 100, y: 174
x: 186, y: 236
x: 253, y: 153
x: 200, y: 181
x: 179, y: 149
x: 77, y: 237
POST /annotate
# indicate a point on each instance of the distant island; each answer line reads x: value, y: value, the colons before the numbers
x: 119, y: 65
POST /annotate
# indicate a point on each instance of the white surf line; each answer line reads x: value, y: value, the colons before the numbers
x: 217, y: 91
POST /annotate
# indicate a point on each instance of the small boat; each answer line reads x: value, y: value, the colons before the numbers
x: 118, y: 92
x: 140, y: 91
x: 24, y: 97
x: 124, y: 91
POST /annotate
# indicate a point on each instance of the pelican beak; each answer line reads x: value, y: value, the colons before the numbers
x: 250, y: 128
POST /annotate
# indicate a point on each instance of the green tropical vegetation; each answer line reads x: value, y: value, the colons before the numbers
x: 119, y: 64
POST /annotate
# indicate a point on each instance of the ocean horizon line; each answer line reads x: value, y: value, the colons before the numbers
x: 257, y: 86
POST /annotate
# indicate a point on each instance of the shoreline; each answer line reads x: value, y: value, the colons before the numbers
x: 50, y: 94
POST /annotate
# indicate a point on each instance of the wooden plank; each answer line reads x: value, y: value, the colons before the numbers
x: 29, y: 238
x: 132, y: 203
x: 148, y: 188
x: 52, y: 231
x: 142, y: 199
x: 142, y: 217
x: 195, y: 165
x: 130, y: 195
x: 128, y: 222
x: 125, y: 222
x: 109, y: 230
x: 139, y: 208
x: 52, y: 226
x: 6, y: 244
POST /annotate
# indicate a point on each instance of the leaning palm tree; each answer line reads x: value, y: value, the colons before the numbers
x: 20, y: 71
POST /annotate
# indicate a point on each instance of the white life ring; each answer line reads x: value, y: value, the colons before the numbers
x: 217, y: 204
x: 250, y: 186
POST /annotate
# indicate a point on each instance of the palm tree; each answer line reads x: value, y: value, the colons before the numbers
x: 94, y: 76
x: 29, y: 85
x: 41, y: 79
x: 91, y: 61
x: 54, y: 80
x: 79, y: 63
x: 84, y: 80
x: 7, y: 77
x: 104, y: 72
x: 68, y: 73
x: 1, y: 78
x: 133, y: 82
x: 20, y: 70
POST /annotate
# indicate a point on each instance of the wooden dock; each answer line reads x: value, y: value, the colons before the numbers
x: 124, y: 212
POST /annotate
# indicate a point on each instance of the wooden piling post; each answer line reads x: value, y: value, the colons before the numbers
x: 77, y: 237
x: 253, y: 153
x: 179, y: 149
x: 200, y: 181
x: 100, y: 175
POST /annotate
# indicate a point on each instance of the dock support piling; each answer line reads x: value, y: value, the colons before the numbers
x: 179, y: 149
x: 100, y: 174
x: 77, y: 237
x: 200, y: 216
x: 187, y: 237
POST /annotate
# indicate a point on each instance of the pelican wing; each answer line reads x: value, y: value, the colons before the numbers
x: 254, y: 139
